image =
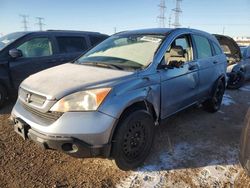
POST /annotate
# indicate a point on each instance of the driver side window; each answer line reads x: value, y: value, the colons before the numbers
x: 37, y: 47
x: 179, y: 52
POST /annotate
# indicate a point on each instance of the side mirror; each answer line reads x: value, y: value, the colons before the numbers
x: 15, y: 53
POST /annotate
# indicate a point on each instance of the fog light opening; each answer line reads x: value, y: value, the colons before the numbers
x: 69, y: 147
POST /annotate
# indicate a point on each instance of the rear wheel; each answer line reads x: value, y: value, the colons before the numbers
x: 236, y: 80
x: 133, y: 139
x: 3, y: 95
x: 213, y: 104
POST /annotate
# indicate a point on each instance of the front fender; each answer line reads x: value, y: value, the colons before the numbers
x: 119, y: 103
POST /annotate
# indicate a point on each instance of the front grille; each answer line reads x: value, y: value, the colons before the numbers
x: 32, y: 98
x: 49, y: 117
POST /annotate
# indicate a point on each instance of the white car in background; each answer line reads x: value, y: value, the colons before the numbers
x: 238, y: 69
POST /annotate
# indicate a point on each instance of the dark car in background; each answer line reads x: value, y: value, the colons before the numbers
x: 245, y: 144
x: 238, y: 69
x: 25, y: 53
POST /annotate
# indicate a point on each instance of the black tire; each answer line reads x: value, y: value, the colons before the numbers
x: 133, y: 139
x: 213, y: 104
x: 3, y: 95
x: 236, y: 80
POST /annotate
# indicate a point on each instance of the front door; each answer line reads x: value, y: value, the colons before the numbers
x: 179, y: 82
x: 37, y: 55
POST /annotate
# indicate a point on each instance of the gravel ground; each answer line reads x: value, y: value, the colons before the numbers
x: 191, y: 149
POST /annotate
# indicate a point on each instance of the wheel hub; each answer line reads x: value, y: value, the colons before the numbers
x: 134, y: 140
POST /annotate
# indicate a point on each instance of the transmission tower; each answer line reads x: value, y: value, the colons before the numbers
x: 169, y: 21
x: 40, y: 23
x: 177, y: 11
x: 161, y: 16
x: 24, y: 21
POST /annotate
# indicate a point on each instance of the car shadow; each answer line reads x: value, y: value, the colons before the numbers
x: 6, y: 109
x: 194, y: 138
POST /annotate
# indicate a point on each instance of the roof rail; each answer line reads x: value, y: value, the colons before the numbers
x: 59, y: 30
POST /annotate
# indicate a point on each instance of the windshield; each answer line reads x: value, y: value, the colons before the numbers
x: 126, y: 52
x: 7, y: 39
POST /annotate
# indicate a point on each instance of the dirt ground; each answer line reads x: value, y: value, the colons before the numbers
x: 191, y: 149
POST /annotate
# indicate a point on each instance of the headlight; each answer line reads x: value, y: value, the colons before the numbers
x: 82, y: 101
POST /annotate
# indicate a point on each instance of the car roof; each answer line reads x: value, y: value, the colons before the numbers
x: 163, y: 31
x: 160, y: 31
x: 63, y: 32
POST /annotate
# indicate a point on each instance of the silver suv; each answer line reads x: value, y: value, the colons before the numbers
x: 107, y: 102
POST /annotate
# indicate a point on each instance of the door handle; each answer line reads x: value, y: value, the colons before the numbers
x: 215, y: 62
x: 192, y: 66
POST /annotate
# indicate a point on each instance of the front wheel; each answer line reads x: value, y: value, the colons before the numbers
x: 236, y: 80
x: 213, y: 104
x: 133, y: 139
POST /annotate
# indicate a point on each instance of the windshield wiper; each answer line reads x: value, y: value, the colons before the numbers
x: 102, y: 64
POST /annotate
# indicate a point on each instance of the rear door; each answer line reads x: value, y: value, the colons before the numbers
x: 37, y: 54
x: 207, y: 65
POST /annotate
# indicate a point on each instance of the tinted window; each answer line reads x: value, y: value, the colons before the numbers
x: 203, y: 47
x: 72, y: 44
x: 37, y: 47
x: 96, y: 40
x: 217, y: 49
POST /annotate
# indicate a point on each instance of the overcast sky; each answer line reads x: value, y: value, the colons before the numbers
x: 104, y: 15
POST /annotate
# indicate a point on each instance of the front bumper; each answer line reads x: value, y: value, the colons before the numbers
x: 90, y: 131
x: 68, y: 145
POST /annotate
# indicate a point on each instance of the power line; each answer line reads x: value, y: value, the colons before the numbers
x: 177, y: 11
x: 24, y: 21
x: 161, y: 16
x: 40, y: 23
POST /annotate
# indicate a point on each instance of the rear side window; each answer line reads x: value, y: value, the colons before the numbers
x: 96, y: 40
x: 71, y: 44
x: 217, y: 49
x: 203, y: 47
x: 36, y: 47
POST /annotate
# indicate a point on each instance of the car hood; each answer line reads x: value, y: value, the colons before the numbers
x: 228, y: 44
x: 62, y: 80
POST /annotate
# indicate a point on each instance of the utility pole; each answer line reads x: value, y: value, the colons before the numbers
x: 161, y: 16
x: 40, y: 23
x: 24, y: 21
x: 177, y: 11
x: 223, y: 31
x: 114, y: 30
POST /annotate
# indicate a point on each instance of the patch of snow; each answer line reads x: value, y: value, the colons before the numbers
x: 221, y: 112
x: 245, y: 88
x: 227, y: 100
x: 181, y: 163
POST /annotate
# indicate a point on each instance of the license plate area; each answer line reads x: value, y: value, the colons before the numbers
x: 21, y: 128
